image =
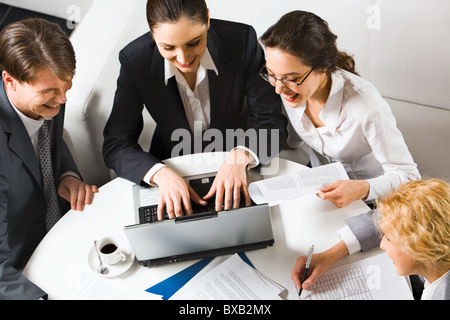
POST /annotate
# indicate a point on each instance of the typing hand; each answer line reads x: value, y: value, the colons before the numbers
x: 231, y: 181
x: 174, y: 194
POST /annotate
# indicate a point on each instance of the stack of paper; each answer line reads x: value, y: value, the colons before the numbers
x: 302, y: 183
x: 230, y: 279
x: 372, y: 278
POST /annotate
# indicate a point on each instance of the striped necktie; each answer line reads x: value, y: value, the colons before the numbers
x: 50, y: 194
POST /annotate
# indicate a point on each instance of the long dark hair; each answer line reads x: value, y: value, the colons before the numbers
x: 307, y: 36
x: 163, y: 11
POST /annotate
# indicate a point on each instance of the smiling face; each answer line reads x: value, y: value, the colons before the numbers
x: 283, y: 65
x: 41, y: 98
x: 183, y: 43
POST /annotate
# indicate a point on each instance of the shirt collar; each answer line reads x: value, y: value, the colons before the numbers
x: 31, y: 125
x: 331, y: 110
x: 206, y: 63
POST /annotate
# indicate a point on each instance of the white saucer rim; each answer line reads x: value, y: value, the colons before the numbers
x: 120, y: 267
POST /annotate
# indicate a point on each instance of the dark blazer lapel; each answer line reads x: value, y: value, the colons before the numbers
x: 20, y: 144
x: 19, y: 141
x: 169, y: 99
x: 220, y: 86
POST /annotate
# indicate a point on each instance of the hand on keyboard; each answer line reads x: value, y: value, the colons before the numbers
x: 149, y: 214
x: 175, y: 194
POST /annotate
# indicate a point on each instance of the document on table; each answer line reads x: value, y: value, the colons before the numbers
x: 372, y: 278
x: 148, y: 196
x: 301, y: 183
x: 229, y: 279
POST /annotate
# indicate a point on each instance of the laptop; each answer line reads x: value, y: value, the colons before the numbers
x: 146, y: 199
x: 207, y: 233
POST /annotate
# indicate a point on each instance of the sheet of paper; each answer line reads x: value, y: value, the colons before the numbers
x: 172, y: 284
x: 305, y: 182
x: 148, y: 196
x: 229, y: 279
x: 372, y: 278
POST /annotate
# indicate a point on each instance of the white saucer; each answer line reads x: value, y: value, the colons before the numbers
x: 114, y: 270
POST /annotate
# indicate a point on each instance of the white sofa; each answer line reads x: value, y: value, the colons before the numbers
x: 400, y: 46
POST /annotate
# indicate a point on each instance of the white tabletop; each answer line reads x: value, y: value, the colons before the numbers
x: 60, y: 263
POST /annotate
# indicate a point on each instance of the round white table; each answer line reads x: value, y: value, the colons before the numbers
x: 60, y: 263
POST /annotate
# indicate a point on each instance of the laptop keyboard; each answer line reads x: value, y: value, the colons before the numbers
x: 148, y: 214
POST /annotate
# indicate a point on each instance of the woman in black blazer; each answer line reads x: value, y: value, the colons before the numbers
x: 193, y: 75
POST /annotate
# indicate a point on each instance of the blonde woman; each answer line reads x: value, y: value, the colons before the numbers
x: 415, y: 225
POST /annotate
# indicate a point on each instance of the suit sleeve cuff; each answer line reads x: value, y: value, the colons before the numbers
x: 148, y: 176
x: 350, y: 240
x: 254, y: 160
x: 70, y: 173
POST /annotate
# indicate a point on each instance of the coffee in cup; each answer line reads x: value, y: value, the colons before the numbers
x: 110, y: 251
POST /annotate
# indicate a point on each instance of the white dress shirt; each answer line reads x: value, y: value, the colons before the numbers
x: 196, y: 102
x: 429, y: 289
x: 32, y: 126
x: 350, y: 240
x: 360, y: 132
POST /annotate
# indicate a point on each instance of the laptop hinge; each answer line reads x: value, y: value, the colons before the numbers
x: 197, y: 216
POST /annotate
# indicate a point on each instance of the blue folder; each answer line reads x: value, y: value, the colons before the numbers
x: 169, y: 286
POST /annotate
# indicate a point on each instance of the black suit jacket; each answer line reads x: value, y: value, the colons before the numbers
x: 22, y: 203
x: 239, y: 98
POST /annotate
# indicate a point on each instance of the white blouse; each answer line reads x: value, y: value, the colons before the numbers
x: 360, y: 132
x: 437, y: 290
x: 196, y: 103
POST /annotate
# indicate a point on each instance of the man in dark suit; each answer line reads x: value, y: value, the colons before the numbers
x: 37, y: 63
x: 164, y: 70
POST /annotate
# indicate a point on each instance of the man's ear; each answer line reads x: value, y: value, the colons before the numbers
x: 9, y: 80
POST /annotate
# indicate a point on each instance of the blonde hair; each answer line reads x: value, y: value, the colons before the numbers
x: 417, y: 217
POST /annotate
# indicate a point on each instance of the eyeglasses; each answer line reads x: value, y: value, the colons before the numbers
x: 290, y: 83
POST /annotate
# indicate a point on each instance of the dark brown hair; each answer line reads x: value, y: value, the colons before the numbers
x: 163, y: 11
x: 307, y: 36
x: 29, y: 45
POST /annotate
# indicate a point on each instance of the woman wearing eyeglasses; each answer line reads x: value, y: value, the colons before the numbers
x: 340, y: 116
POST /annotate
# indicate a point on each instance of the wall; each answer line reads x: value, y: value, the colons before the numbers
x: 401, y: 46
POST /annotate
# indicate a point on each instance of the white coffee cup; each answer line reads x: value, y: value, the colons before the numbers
x: 110, y: 251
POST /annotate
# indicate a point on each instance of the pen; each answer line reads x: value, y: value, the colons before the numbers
x: 308, y: 262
